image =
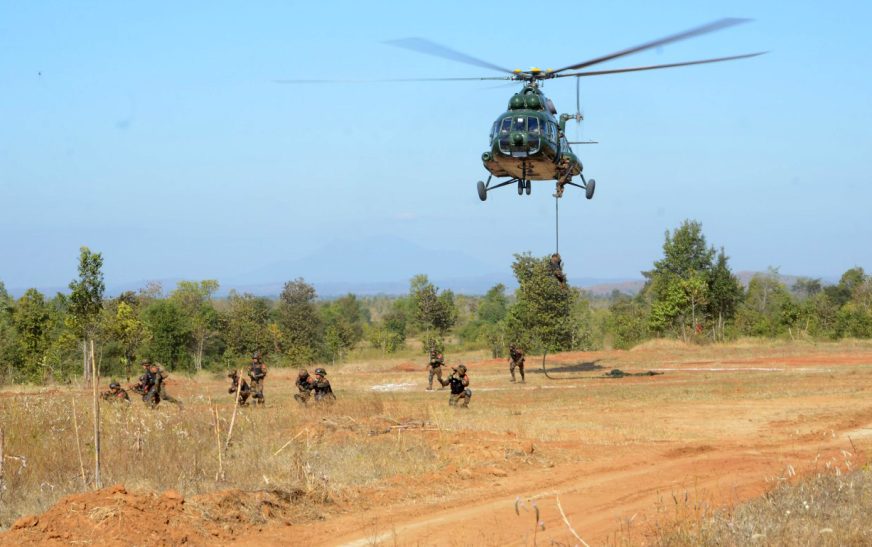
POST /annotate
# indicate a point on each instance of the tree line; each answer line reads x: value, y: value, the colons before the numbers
x: 690, y: 293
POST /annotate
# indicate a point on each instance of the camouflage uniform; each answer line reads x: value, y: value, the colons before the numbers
x: 556, y: 266
x: 244, y: 390
x: 257, y: 373
x: 149, y: 385
x: 434, y: 368
x: 305, y: 385
x: 160, y: 377
x: 115, y: 393
x: 321, y: 386
x: 516, y: 359
x: 460, y: 392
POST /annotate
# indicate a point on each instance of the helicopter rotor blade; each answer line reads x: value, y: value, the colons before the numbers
x: 376, y: 81
x: 422, y: 45
x: 655, y: 67
x: 697, y: 31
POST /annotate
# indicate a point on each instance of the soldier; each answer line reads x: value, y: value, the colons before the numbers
x: 149, y: 385
x: 434, y: 368
x: 321, y: 386
x: 305, y: 385
x: 244, y: 390
x: 556, y: 266
x: 459, y: 383
x: 115, y: 393
x: 516, y: 359
x: 160, y: 375
x: 257, y: 373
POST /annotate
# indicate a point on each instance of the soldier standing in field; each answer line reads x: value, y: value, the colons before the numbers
x: 244, y: 389
x: 434, y: 368
x: 516, y: 359
x: 305, y: 385
x: 257, y: 373
x: 459, y: 382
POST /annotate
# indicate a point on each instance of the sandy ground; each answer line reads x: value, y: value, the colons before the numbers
x: 721, y: 425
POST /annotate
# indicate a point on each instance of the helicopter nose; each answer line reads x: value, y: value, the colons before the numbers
x: 517, y: 139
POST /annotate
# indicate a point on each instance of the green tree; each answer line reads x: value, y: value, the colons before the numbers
x: 725, y: 293
x: 542, y: 315
x: 433, y: 311
x: 494, y: 305
x: 246, y: 323
x: 627, y: 321
x: 169, y: 334
x: 766, y: 310
x: 678, y: 285
x: 195, y: 301
x: 344, y: 320
x: 33, y: 323
x: 86, y: 303
x: 298, y: 318
x: 126, y: 328
x: 9, y: 348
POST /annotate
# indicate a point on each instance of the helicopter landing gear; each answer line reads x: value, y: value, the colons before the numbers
x: 482, y: 190
x: 589, y: 186
x: 520, y: 187
x: 528, y: 187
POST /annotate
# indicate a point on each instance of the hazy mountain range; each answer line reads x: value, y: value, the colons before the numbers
x: 358, y: 267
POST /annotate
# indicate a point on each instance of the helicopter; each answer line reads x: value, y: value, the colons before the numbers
x: 528, y: 141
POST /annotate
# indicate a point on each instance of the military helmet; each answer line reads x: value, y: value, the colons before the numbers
x: 233, y: 374
x: 255, y: 355
x: 462, y: 368
x: 114, y: 385
x: 321, y: 372
x: 303, y: 373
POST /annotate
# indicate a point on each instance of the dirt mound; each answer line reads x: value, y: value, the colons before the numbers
x: 114, y: 516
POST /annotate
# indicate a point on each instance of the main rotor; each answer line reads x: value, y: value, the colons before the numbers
x: 535, y: 75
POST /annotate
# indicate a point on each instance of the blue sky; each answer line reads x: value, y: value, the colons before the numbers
x: 154, y: 133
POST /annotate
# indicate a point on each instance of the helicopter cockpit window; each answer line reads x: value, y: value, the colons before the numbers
x: 494, y: 129
x: 506, y: 125
x: 519, y: 123
x: 533, y: 125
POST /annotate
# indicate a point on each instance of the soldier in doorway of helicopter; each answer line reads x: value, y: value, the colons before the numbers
x: 321, y: 387
x: 244, y: 389
x: 434, y: 367
x: 516, y: 360
x: 305, y: 384
x: 556, y: 267
x: 115, y: 393
x: 257, y: 373
x: 459, y: 382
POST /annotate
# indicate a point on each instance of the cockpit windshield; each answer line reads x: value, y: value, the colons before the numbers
x: 533, y: 125
x: 519, y: 123
x: 506, y: 125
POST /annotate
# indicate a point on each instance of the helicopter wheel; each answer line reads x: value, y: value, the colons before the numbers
x: 589, y: 189
x: 529, y: 187
x: 521, y: 187
x: 482, y: 191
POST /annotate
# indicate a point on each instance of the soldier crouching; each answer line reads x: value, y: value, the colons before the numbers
x: 115, y: 393
x: 460, y: 392
x: 244, y: 389
x: 305, y: 385
x: 321, y: 387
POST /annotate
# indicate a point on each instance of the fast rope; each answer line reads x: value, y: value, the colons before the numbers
x: 556, y: 224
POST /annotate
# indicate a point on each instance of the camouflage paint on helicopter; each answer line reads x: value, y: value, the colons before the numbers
x: 528, y: 143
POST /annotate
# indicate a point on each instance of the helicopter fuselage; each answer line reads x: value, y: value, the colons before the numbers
x: 527, y: 141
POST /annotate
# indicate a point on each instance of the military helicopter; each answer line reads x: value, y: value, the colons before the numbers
x: 528, y: 141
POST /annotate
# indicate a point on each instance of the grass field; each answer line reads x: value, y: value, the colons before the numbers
x: 632, y: 460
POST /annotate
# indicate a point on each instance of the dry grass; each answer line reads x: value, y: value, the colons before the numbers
x: 828, y: 509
